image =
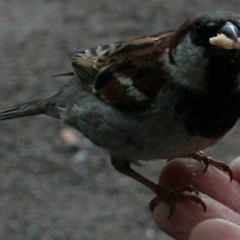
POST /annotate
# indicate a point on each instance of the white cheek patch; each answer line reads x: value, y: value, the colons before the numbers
x: 190, y: 67
x: 222, y: 41
x: 131, y: 90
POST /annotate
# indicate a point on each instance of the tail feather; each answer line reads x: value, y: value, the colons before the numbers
x: 24, y: 109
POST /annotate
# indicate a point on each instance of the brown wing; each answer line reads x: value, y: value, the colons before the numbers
x: 88, y: 62
x: 124, y: 74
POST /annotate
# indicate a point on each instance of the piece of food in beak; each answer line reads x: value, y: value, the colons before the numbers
x: 222, y: 41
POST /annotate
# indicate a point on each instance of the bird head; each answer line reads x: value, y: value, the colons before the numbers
x: 218, y: 33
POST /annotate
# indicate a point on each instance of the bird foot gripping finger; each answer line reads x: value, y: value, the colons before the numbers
x: 200, y: 156
x: 178, y: 194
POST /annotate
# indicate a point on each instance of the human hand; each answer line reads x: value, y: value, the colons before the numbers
x: 222, y: 198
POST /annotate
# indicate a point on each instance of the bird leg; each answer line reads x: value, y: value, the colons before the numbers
x: 163, y: 194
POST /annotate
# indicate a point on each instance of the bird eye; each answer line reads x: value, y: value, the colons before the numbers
x: 203, y: 32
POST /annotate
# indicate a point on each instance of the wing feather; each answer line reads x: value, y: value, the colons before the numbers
x: 124, y: 73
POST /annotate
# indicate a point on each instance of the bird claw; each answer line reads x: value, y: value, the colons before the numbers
x: 200, y: 156
x: 170, y: 196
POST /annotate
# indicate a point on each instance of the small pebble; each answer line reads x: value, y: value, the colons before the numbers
x: 150, y: 233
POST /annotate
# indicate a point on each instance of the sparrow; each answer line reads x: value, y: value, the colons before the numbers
x: 161, y: 96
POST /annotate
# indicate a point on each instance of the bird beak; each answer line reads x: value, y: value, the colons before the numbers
x: 231, y: 31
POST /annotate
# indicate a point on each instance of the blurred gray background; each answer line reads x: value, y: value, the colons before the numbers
x: 54, y: 184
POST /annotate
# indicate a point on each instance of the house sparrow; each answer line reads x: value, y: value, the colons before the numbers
x: 162, y: 96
